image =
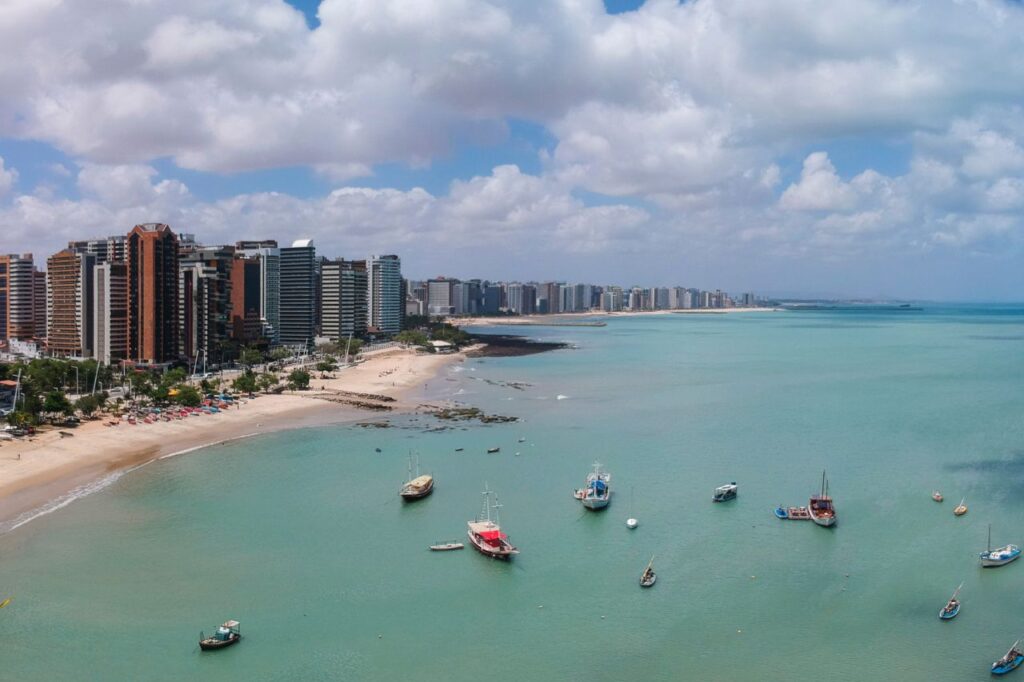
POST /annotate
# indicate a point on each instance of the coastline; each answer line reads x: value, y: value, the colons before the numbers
x: 582, y: 319
x: 47, y: 472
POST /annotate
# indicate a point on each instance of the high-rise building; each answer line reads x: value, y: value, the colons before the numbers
x: 661, y: 298
x: 39, y: 302
x: 490, y: 299
x: 151, y: 253
x: 612, y: 299
x: 17, y: 293
x: 246, y: 326
x: 104, y: 250
x: 584, y: 297
x: 110, y: 312
x: 567, y: 298
x: 522, y: 298
x: 270, y: 284
x: 204, y: 296
x: 299, y: 283
x: 440, y: 297
x: 69, y: 304
x: 466, y: 297
x: 384, y: 303
x: 344, y: 290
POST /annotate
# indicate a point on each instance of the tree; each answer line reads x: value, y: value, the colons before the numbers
x: 413, y: 337
x: 87, y: 404
x: 454, y: 335
x: 187, y: 395
x: 266, y: 381
x: 174, y: 376
x: 280, y: 353
x: 246, y: 383
x: 57, y: 403
x: 354, y: 347
x: 298, y: 380
x: 415, y: 321
x: 329, y: 348
x: 326, y: 365
x: 250, y: 356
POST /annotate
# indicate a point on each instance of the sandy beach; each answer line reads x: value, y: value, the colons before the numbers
x: 35, y: 472
x: 564, y: 319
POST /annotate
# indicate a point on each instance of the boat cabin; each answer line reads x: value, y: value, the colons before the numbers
x: 725, y: 492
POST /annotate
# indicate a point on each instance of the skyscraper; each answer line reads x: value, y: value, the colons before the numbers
x: 440, y: 296
x: 204, y: 300
x: 69, y: 303
x: 384, y: 304
x: 105, y: 249
x: 110, y: 312
x: 270, y: 284
x: 299, y: 282
x: 39, y: 302
x: 246, y: 325
x: 522, y: 298
x: 344, y: 292
x: 152, y: 258
x: 17, y: 296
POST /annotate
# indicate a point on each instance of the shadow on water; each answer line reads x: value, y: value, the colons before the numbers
x: 997, y: 472
x: 997, y: 337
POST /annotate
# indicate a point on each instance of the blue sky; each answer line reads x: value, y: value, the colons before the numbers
x: 715, y: 143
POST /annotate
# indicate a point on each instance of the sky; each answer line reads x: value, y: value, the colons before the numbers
x: 792, y: 148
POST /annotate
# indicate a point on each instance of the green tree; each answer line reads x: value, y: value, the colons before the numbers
x: 326, y: 365
x: 57, y: 403
x: 413, y: 337
x: 451, y: 334
x: 87, y: 404
x: 330, y: 347
x: 250, y: 356
x: 187, y: 395
x: 246, y: 383
x: 266, y: 381
x: 298, y: 380
x: 174, y: 376
x: 280, y: 353
x: 354, y: 348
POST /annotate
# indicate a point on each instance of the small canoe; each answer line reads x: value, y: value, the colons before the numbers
x: 493, y: 450
x: 781, y: 513
x: 960, y: 509
x: 950, y: 611
x: 937, y: 496
x: 5, y: 602
x: 446, y: 546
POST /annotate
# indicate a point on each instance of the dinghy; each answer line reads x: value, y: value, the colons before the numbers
x: 648, y: 577
x: 1013, y: 658
x: 960, y: 509
x: 937, y: 496
x: 952, y: 607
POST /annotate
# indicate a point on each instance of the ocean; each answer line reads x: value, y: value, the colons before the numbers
x: 301, y: 535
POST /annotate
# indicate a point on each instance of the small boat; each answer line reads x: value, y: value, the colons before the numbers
x: 1013, y: 658
x: 792, y: 513
x: 725, y: 492
x: 821, y: 509
x: 493, y: 450
x: 522, y: 440
x: 5, y: 602
x: 952, y: 607
x: 781, y: 513
x: 937, y: 496
x: 1000, y: 556
x: 417, y: 486
x: 227, y: 634
x: 485, y: 533
x: 648, y: 577
x: 960, y: 509
x: 459, y: 449
x: 631, y: 522
x: 597, y: 492
x: 446, y: 546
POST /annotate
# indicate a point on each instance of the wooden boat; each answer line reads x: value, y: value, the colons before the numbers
x: 937, y: 496
x: 485, y: 533
x: 960, y: 509
x: 1013, y: 658
x: 5, y: 602
x: 820, y: 508
x: 493, y: 450
x: 724, y: 493
x: 227, y: 634
x: 417, y: 486
x: 952, y: 607
x: 999, y: 556
x: 446, y: 546
x: 648, y: 577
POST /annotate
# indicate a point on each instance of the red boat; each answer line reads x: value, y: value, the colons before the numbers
x: 485, y: 533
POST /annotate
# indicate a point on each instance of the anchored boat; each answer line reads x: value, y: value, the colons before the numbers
x: 597, y: 492
x: 952, y: 607
x: 1000, y: 556
x: 416, y: 486
x: 821, y: 509
x: 1013, y: 658
x: 960, y: 509
x: 446, y: 546
x: 937, y: 496
x: 227, y: 634
x: 485, y: 533
x: 792, y: 513
x: 648, y: 577
x: 631, y: 522
x: 725, y: 492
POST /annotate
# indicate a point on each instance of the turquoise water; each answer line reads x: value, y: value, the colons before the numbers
x: 302, y: 538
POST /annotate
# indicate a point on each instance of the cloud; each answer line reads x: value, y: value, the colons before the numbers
x: 8, y: 176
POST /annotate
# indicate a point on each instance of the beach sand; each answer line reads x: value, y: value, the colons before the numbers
x: 36, y: 471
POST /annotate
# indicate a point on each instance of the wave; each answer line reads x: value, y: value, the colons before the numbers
x: 63, y: 501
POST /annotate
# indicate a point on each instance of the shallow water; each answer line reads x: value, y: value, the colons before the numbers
x: 302, y: 537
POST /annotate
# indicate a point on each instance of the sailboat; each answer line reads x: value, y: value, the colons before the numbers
x: 597, y: 492
x: 485, y: 533
x: 648, y: 577
x: 821, y: 510
x: 416, y: 486
x: 1013, y: 658
x: 961, y: 508
x: 952, y: 607
x: 1000, y: 556
x: 631, y: 522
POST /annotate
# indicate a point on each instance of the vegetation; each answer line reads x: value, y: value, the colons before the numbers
x: 413, y: 337
x: 246, y: 383
x: 328, y: 364
x: 187, y: 395
x: 266, y: 381
x: 250, y: 356
x: 298, y: 380
x: 89, y: 404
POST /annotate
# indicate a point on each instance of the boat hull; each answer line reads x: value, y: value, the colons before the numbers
x: 214, y: 644
x: 650, y: 582
x: 949, y: 615
x: 595, y: 503
x: 1008, y: 667
x: 505, y: 554
x: 995, y: 563
x: 408, y: 495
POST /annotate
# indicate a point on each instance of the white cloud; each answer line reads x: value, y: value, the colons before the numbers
x: 8, y: 176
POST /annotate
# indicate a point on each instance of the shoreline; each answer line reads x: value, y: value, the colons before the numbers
x: 43, y: 474
x: 590, y: 318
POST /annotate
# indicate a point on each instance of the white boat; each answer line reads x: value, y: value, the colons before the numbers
x: 446, y: 546
x: 597, y: 492
x: 1000, y: 556
x: 725, y: 492
x: 416, y: 486
x: 820, y: 509
x: 485, y: 533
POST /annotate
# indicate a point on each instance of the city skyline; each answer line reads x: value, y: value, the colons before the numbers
x: 713, y: 141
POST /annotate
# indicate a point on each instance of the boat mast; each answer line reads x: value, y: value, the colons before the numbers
x: 957, y: 591
x: 989, y: 548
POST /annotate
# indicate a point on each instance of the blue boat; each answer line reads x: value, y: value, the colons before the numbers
x: 952, y: 607
x: 1011, y: 661
x: 781, y: 513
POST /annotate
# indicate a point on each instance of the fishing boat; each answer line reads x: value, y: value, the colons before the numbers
x: 597, y: 492
x: 446, y: 546
x: 227, y: 634
x: 485, y: 533
x: 725, y: 492
x: 960, y: 509
x: 952, y: 607
x: 937, y: 496
x: 491, y: 451
x: 648, y: 577
x: 821, y: 509
x: 1000, y: 556
x: 631, y: 522
x: 416, y: 486
x: 1013, y: 658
